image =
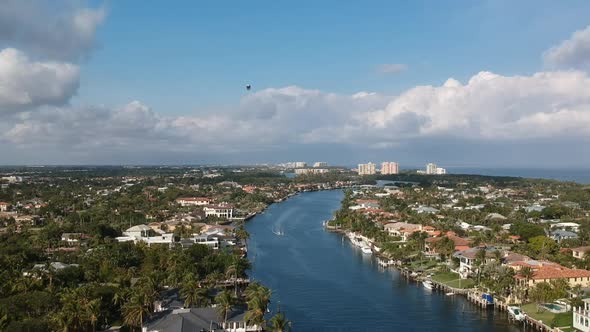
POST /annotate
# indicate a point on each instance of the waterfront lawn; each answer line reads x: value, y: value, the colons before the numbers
x: 544, y: 315
x: 423, y: 265
x: 452, y: 280
x: 563, y: 319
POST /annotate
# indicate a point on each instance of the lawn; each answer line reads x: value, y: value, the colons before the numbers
x: 452, y: 280
x: 563, y: 319
x: 549, y: 318
x: 545, y: 315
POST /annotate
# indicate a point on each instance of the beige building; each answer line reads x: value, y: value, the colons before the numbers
x: 545, y: 271
x: 366, y: 169
x: 389, y: 167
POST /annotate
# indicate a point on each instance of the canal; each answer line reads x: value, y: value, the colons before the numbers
x: 323, y: 283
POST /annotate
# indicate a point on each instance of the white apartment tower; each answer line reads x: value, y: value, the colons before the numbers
x: 320, y: 164
x: 366, y: 169
x: 431, y: 168
x: 389, y: 167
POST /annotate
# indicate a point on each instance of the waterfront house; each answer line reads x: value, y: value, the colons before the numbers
x: 219, y: 211
x: 460, y: 243
x: 199, y: 319
x: 580, y: 252
x: 468, y: 260
x: 545, y: 271
x: 368, y: 203
x: 582, y: 316
x: 402, y: 229
x: 194, y: 201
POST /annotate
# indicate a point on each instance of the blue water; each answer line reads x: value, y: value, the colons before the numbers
x: 566, y: 174
x: 324, y: 284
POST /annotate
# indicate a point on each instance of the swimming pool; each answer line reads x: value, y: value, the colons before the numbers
x: 554, y: 307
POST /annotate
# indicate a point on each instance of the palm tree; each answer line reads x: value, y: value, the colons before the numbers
x: 135, y: 310
x: 193, y: 294
x: 121, y: 296
x: 93, y: 312
x: 279, y: 323
x: 256, y: 311
x: 526, y: 272
x: 225, y: 302
x: 256, y: 290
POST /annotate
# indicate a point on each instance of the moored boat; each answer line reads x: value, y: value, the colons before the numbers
x: 366, y: 250
x: 427, y: 284
x: 516, y: 313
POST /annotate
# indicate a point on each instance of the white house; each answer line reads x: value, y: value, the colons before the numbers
x: 219, y: 211
x: 138, y: 231
x: 582, y: 316
x: 467, y: 259
x: 4, y: 206
x: 194, y: 201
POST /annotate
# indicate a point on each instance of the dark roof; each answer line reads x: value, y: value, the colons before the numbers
x: 193, y: 319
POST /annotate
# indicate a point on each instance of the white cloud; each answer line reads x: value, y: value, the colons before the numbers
x: 55, y: 29
x: 26, y: 84
x: 571, y: 53
x: 488, y: 108
x: 392, y: 68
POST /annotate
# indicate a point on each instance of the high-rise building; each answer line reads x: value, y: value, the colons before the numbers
x: 366, y: 169
x: 320, y: 164
x: 300, y: 164
x: 389, y: 167
x: 431, y: 168
x: 440, y: 170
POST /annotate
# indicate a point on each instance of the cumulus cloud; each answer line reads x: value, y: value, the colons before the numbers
x: 26, y: 84
x: 487, y: 108
x: 61, y: 30
x: 571, y: 53
x: 392, y: 68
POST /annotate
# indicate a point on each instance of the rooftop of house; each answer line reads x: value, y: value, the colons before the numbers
x: 555, y: 271
x: 403, y: 226
x: 193, y: 319
x: 471, y: 253
x: 194, y: 199
x: 459, y: 241
x: 563, y: 233
x: 138, y: 228
x: 582, y: 249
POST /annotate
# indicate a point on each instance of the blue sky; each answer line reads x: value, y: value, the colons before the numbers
x: 469, y: 82
x: 199, y: 54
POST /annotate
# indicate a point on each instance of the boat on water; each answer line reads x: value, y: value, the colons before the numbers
x: 450, y: 294
x: 427, y: 284
x: 355, y: 240
x: 516, y: 313
x: 278, y: 232
x: 366, y: 250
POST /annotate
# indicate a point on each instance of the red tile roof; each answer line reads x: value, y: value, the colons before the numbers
x: 555, y: 272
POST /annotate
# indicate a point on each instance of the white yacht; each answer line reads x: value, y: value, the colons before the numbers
x: 427, y: 284
x: 366, y: 250
x: 516, y: 313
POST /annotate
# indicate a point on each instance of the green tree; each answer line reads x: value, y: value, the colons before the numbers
x: 135, y: 310
x: 279, y: 323
x: 193, y: 294
x: 225, y: 302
